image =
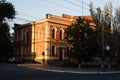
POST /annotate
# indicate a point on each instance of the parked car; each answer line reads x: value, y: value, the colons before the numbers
x: 17, y: 60
x: 11, y: 59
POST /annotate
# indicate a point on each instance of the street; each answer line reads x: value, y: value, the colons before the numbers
x: 14, y: 72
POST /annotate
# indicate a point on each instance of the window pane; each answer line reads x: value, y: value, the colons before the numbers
x: 53, y: 50
x: 53, y: 33
x: 60, y: 34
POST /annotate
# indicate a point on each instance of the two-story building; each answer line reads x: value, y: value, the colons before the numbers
x: 43, y: 39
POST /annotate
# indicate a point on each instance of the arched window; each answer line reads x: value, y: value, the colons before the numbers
x: 54, y: 30
x: 27, y: 36
x: 61, y: 35
x: 53, y: 33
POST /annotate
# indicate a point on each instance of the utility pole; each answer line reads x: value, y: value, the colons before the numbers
x: 82, y: 7
x: 103, y: 48
x: 103, y: 45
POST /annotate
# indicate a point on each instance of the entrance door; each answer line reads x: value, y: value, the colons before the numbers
x: 60, y: 54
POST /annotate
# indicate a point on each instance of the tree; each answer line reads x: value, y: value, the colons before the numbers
x: 7, y: 11
x: 81, y: 36
x: 116, y: 20
x: 116, y: 35
x: 102, y: 20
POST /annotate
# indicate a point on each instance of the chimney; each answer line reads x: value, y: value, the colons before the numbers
x: 67, y: 16
x: 48, y: 16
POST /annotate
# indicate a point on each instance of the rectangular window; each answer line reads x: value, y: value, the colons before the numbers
x: 53, y: 50
x: 67, y: 51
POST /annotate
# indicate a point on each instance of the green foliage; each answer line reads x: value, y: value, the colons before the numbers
x: 116, y: 34
x: 81, y: 36
x: 5, y: 43
x: 6, y: 12
x: 102, y: 20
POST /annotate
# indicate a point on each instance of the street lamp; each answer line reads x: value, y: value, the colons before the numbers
x: 103, y: 44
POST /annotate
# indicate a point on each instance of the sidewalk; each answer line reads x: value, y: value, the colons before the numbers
x: 67, y: 69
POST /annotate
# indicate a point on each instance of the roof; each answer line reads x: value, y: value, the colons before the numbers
x: 64, y: 19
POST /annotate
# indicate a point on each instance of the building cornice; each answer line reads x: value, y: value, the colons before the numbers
x: 51, y: 21
x: 18, y: 26
x: 58, y: 22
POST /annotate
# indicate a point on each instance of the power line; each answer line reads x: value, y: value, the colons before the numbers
x: 63, y: 6
x: 38, y: 4
x: 26, y: 20
x: 60, y: 6
x: 76, y: 4
x: 11, y: 23
x: 83, y: 2
x: 28, y: 16
x: 22, y: 19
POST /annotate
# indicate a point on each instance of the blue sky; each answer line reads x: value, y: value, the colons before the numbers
x: 31, y: 10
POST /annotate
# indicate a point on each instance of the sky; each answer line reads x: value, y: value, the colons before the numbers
x: 32, y: 10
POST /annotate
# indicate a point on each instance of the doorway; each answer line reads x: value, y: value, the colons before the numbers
x: 60, y: 54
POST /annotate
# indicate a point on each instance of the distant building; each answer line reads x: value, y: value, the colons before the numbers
x: 43, y: 39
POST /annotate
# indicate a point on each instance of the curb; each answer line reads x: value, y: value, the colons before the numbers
x: 76, y: 72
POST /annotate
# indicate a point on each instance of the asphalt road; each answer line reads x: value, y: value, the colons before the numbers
x: 14, y: 72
